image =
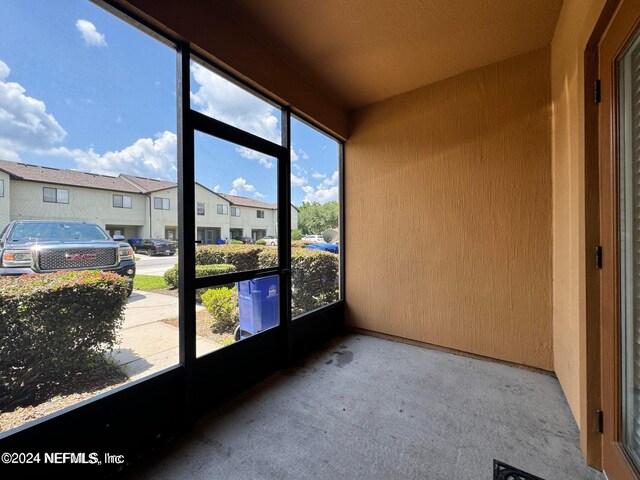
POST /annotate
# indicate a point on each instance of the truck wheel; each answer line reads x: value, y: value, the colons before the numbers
x: 130, y: 289
x: 236, y: 333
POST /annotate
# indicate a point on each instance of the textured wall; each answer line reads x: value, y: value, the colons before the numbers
x: 576, y: 22
x: 448, y: 204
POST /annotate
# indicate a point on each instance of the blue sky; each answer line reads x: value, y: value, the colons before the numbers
x: 81, y: 89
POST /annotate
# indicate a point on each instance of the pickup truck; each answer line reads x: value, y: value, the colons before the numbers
x: 44, y: 246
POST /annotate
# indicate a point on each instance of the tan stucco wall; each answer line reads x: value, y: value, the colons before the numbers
x: 448, y: 204
x: 211, y: 218
x: 576, y: 22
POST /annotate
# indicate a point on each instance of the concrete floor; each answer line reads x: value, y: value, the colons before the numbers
x: 367, y: 408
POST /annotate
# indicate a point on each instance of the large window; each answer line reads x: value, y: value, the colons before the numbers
x: 89, y: 104
x: 315, y: 218
x: 107, y: 121
x: 122, y: 201
x: 1, y: 188
x: 55, y: 195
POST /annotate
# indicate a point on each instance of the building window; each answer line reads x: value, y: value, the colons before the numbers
x: 200, y: 209
x: 121, y: 201
x: 260, y: 213
x: 55, y: 195
x: 235, y: 211
x: 160, y: 203
x: 223, y: 209
x: 1, y: 188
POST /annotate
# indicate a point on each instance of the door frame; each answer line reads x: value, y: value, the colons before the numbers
x: 622, y: 24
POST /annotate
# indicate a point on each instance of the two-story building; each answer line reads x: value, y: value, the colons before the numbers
x: 132, y: 206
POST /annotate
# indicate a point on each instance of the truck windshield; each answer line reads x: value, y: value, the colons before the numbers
x: 56, y: 231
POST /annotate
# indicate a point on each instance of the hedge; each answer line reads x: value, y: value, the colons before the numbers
x: 222, y: 304
x: 314, y: 277
x: 298, y: 244
x: 171, y: 275
x: 53, y: 327
x: 243, y: 257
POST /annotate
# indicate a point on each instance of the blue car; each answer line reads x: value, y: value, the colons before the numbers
x: 325, y: 247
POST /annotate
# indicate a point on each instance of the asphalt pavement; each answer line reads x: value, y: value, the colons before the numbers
x: 157, y: 265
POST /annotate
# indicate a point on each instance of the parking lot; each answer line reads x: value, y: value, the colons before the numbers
x: 146, y: 265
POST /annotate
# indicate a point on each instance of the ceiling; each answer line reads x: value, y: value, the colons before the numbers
x: 364, y: 51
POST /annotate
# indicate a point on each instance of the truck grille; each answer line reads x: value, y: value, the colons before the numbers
x: 66, y: 258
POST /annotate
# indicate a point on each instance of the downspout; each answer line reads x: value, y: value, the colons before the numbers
x: 150, y: 211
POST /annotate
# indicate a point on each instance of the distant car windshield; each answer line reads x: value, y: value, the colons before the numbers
x: 56, y: 231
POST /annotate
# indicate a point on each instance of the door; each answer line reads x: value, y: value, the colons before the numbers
x: 620, y: 233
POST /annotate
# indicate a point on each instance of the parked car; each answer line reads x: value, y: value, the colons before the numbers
x: 271, y: 240
x: 45, y: 246
x: 244, y: 239
x: 154, y: 246
x: 312, y: 239
x: 134, y: 241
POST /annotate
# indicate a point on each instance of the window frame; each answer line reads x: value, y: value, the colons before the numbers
x: 258, y: 212
x: 222, y: 209
x: 122, y: 203
x: 162, y: 203
x: 237, y: 209
x: 1, y: 187
x: 57, y: 197
x: 203, y: 208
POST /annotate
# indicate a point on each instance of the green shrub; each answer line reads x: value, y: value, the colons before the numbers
x: 171, y: 275
x: 314, y: 279
x: 261, y: 242
x: 236, y: 242
x: 222, y: 304
x: 243, y: 257
x: 298, y: 244
x: 296, y: 234
x: 53, y: 327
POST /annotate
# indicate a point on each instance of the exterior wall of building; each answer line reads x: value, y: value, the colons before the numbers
x: 5, y: 200
x: 91, y: 205
x: 294, y: 218
x: 249, y: 221
x: 211, y: 217
x: 163, y: 219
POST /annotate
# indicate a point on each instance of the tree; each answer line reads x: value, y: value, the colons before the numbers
x: 314, y: 218
x: 296, y: 234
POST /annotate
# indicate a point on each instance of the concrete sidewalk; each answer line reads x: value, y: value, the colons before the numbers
x: 147, y: 344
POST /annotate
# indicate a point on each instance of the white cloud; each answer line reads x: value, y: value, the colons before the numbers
x: 216, y: 188
x: 297, y: 181
x: 224, y: 101
x: 25, y: 124
x: 146, y: 157
x: 321, y: 195
x: 294, y: 155
x: 90, y: 35
x: 333, y: 180
x: 318, y: 175
x: 263, y: 160
x: 240, y: 185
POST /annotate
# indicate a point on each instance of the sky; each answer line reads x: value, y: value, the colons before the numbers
x: 82, y: 89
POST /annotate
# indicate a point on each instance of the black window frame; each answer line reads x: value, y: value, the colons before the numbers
x: 56, y: 190
x: 258, y: 212
x: 169, y: 399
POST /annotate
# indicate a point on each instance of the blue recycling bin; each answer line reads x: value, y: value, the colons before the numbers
x: 258, y: 305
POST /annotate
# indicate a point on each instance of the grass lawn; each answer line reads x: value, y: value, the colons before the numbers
x: 148, y: 282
